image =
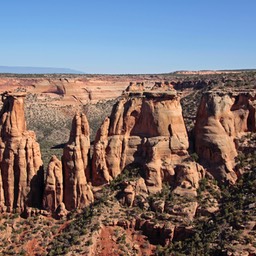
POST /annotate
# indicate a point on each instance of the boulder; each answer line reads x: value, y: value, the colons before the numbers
x: 61, y: 211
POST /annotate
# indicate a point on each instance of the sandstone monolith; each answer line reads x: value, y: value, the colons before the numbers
x: 77, y: 191
x: 20, y: 157
x: 222, y: 118
x: 53, y: 192
x: 145, y: 129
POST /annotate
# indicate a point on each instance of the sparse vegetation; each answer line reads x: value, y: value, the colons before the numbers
x: 225, y: 214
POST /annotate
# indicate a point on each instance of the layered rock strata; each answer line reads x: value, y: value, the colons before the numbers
x: 222, y: 117
x: 145, y: 129
x: 77, y: 191
x: 21, y: 176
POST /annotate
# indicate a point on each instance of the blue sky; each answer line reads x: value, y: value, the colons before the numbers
x: 135, y: 36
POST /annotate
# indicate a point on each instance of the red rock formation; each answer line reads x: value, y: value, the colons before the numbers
x: 77, y: 191
x: 61, y: 211
x: 221, y: 118
x: 53, y: 192
x: 148, y: 130
x: 160, y: 233
x: 20, y: 157
x: 162, y: 86
x: 2, y: 201
x: 131, y: 190
x: 69, y: 89
x: 135, y: 87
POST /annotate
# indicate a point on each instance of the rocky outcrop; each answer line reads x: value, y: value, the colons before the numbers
x: 157, y: 233
x: 135, y: 87
x: 77, y: 191
x: 53, y: 192
x: 146, y: 129
x: 20, y: 158
x: 222, y: 117
x: 188, y: 175
x: 131, y: 191
x: 162, y: 86
x: 61, y: 211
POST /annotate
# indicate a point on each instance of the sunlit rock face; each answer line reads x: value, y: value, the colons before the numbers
x: 222, y: 117
x: 145, y: 128
x: 21, y: 176
x: 77, y: 191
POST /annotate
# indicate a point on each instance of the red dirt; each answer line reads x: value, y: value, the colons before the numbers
x: 108, y: 244
x: 33, y: 248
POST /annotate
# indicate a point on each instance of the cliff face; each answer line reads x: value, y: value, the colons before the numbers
x: 67, y: 89
x: 77, y: 192
x: 145, y: 128
x: 20, y: 158
x: 221, y: 119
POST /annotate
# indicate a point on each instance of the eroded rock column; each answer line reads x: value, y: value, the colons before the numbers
x: 77, y: 191
x: 53, y: 192
x: 20, y: 157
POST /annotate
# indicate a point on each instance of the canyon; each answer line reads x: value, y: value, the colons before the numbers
x: 151, y: 152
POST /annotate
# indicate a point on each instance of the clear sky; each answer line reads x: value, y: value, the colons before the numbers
x: 128, y: 36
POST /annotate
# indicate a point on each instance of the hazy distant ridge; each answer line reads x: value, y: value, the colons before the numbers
x: 37, y: 70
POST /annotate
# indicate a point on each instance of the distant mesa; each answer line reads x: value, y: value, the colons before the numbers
x: 38, y: 70
x: 210, y: 72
